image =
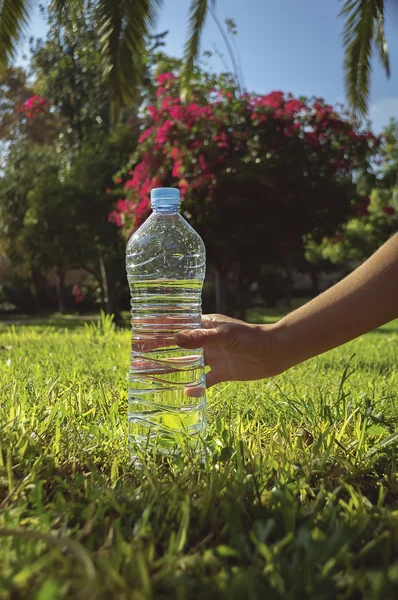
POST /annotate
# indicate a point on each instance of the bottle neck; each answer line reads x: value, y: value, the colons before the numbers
x: 165, y: 209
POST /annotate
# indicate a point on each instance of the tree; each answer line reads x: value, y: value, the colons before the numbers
x: 53, y: 196
x: 256, y: 173
x: 35, y: 227
x: 102, y: 251
x: 363, y: 35
x: 18, y: 102
x: 124, y: 27
x: 375, y: 221
x: 362, y: 235
x: 66, y: 66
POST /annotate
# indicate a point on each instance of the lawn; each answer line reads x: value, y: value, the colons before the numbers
x: 297, y: 498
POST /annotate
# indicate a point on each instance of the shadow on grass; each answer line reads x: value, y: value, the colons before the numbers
x: 386, y: 330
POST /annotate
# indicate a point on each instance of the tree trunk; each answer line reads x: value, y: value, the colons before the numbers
x: 109, y: 286
x: 241, y: 293
x: 221, y: 290
x: 112, y: 307
x: 61, y: 292
x: 104, y: 281
x: 39, y: 282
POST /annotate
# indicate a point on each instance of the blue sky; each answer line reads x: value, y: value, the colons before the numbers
x: 287, y: 45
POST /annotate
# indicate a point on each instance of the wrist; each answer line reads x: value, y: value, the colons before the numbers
x: 281, y: 351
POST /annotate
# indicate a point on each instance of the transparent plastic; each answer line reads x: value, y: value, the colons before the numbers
x: 166, y: 263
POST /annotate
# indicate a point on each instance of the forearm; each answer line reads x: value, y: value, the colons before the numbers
x: 364, y: 300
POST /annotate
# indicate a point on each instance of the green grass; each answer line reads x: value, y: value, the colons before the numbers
x: 298, y: 497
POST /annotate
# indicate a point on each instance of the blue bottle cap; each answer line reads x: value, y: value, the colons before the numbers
x: 165, y: 196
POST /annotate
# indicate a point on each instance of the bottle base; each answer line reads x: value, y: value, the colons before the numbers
x: 162, y: 444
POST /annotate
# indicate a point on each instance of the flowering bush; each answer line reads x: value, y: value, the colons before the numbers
x: 218, y: 136
x: 35, y: 105
x: 256, y: 172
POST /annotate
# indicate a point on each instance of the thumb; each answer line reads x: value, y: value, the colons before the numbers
x: 198, y: 338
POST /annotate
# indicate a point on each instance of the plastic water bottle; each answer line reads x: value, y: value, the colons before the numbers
x: 166, y: 263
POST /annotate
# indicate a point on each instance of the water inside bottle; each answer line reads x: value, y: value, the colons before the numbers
x: 166, y: 383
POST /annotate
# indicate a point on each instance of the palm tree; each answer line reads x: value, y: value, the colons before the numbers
x: 124, y: 26
x: 363, y: 35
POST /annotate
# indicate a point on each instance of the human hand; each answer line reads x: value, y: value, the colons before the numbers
x: 235, y: 350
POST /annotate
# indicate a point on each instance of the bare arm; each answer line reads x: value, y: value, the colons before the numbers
x: 365, y: 299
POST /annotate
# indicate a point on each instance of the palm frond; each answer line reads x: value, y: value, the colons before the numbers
x: 14, y: 17
x: 363, y: 32
x: 380, y: 39
x: 59, y: 5
x: 124, y: 27
x: 197, y: 16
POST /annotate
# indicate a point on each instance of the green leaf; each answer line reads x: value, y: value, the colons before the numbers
x: 363, y: 33
x: 59, y: 5
x: 14, y: 17
x: 381, y: 42
x: 197, y: 16
x: 124, y: 27
x: 227, y: 551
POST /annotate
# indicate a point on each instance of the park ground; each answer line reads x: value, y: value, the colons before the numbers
x: 297, y: 497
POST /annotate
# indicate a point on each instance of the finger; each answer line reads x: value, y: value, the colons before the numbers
x: 195, y: 392
x: 211, y: 355
x: 214, y: 320
x: 212, y: 379
x: 197, y: 338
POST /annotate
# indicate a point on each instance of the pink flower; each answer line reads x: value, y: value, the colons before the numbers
x: 164, y: 78
x: 78, y: 293
x: 177, y: 169
x: 166, y: 102
x: 163, y: 131
x: 145, y: 135
x: 388, y: 210
x: 274, y: 99
x: 118, y: 180
x: 259, y: 117
x: 174, y: 153
x: 152, y: 112
x: 160, y: 91
x: 129, y: 184
x: 141, y: 211
x: 193, y: 110
x: 222, y: 140
x: 202, y: 162
x: 176, y: 112
x: 121, y: 206
x: 183, y: 186
x: 114, y: 217
x: 294, y: 106
x: 34, y: 106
